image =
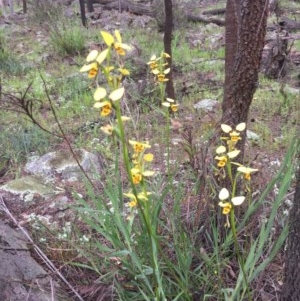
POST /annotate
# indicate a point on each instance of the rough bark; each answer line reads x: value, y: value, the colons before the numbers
x: 24, y: 2
x: 82, y: 13
x: 291, y: 288
x: 245, y: 34
x: 168, y: 45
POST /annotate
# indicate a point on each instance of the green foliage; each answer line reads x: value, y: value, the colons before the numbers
x: 9, y: 64
x: 145, y: 239
x: 152, y: 253
x: 20, y: 142
x: 265, y: 242
x: 190, y: 269
x: 67, y: 38
x: 127, y: 245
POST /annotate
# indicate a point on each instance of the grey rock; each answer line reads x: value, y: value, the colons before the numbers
x: 27, y: 187
x: 64, y: 164
x: 28, y: 184
x: 21, y: 277
x: 293, y: 91
x: 206, y: 104
x: 252, y: 136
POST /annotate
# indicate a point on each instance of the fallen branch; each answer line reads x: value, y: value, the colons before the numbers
x: 217, y: 11
x: 206, y: 20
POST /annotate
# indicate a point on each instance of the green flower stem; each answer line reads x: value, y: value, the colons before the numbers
x: 234, y: 185
x: 145, y: 214
x: 162, y: 96
x: 238, y: 251
x: 235, y: 238
x: 229, y: 170
x: 143, y: 209
x: 168, y: 142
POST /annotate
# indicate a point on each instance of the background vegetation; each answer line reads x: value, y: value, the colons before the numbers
x: 178, y: 247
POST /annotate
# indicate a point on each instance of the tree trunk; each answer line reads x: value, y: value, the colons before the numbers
x: 291, y: 288
x: 245, y: 32
x: 168, y: 45
x: 82, y: 13
x: 24, y: 6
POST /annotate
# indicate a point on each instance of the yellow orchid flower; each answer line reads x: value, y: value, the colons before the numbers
x: 132, y: 203
x: 102, y: 56
x: 133, y: 200
x: 223, y: 194
x: 153, y: 62
x: 162, y: 78
x: 170, y: 103
x: 92, y: 56
x: 138, y: 147
x: 88, y: 67
x: 107, y: 129
x: 148, y: 157
x: 92, y: 69
x: 117, y: 44
x: 221, y: 150
x: 107, y: 38
x: 117, y: 94
x: 124, y: 118
x: 238, y: 200
x: 247, y: 171
x: 93, y: 72
x: 148, y: 173
x: 136, y: 176
x: 227, y: 128
x: 124, y: 71
x: 233, y: 153
x: 226, y: 207
x: 234, y: 136
x: 222, y: 160
x: 174, y: 107
x: 105, y: 106
x: 99, y: 94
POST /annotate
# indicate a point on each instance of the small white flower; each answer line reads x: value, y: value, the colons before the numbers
x: 221, y: 150
x: 238, y: 200
x: 223, y: 194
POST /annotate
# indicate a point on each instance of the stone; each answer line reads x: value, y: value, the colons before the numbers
x: 28, y: 187
x: 64, y: 164
x: 252, y: 136
x: 21, y: 277
x: 292, y: 90
x: 206, y: 105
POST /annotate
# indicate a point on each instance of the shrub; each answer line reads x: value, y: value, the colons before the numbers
x: 67, y: 38
x: 8, y: 63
